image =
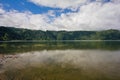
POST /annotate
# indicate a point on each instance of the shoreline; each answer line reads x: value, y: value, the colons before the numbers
x: 60, y: 41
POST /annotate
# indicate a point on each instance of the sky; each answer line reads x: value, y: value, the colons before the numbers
x: 70, y: 15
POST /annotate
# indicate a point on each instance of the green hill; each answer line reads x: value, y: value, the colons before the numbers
x: 10, y: 33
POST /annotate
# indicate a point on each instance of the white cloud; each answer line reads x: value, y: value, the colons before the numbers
x: 2, y: 11
x: 94, y: 16
x: 25, y: 20
x: 67, y: 3
x: 91, y: 16
x: 59, y: 3
x: 116, y: 1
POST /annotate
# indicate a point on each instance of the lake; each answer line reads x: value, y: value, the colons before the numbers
x: 60, y: 60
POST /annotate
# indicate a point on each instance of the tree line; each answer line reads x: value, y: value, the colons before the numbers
x: 10, y: 33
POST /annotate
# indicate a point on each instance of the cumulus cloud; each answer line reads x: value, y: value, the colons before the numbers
x: 24, y: 20
x: 116, y: 1
x: 67, y: 3
x: 59, y: 3
x: 2, y: 11
x: 94, y: 15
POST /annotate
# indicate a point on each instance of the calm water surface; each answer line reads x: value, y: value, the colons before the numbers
x: 63, y: 60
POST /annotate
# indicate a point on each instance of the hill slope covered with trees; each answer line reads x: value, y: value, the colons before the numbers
x: 10, y: 33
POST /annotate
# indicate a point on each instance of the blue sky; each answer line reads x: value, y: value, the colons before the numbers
x: 25, y: 5
x: 60, y: 14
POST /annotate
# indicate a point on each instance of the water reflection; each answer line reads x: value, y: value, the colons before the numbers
x: 19, y: 47
x: 107, y: 62
x: 60, y: 61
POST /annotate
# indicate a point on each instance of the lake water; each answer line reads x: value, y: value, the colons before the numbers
x: 60, y: 60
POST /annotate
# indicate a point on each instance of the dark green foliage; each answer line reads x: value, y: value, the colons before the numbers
x: 9, y: 33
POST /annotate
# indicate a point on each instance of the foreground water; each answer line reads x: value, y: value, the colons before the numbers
x: 65, y: 60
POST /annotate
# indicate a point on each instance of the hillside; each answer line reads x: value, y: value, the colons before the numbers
x: 10, y: 33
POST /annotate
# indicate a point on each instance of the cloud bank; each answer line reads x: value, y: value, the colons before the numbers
x: 59, y: 3
x: 91, y: 15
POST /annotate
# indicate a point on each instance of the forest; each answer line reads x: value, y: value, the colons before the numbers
x: 11, y: 33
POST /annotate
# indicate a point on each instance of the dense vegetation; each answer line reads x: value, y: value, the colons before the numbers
x: 9, y: 33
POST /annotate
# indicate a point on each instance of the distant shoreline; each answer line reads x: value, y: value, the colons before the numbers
x: 22, y: 35
x: 59, y: 40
